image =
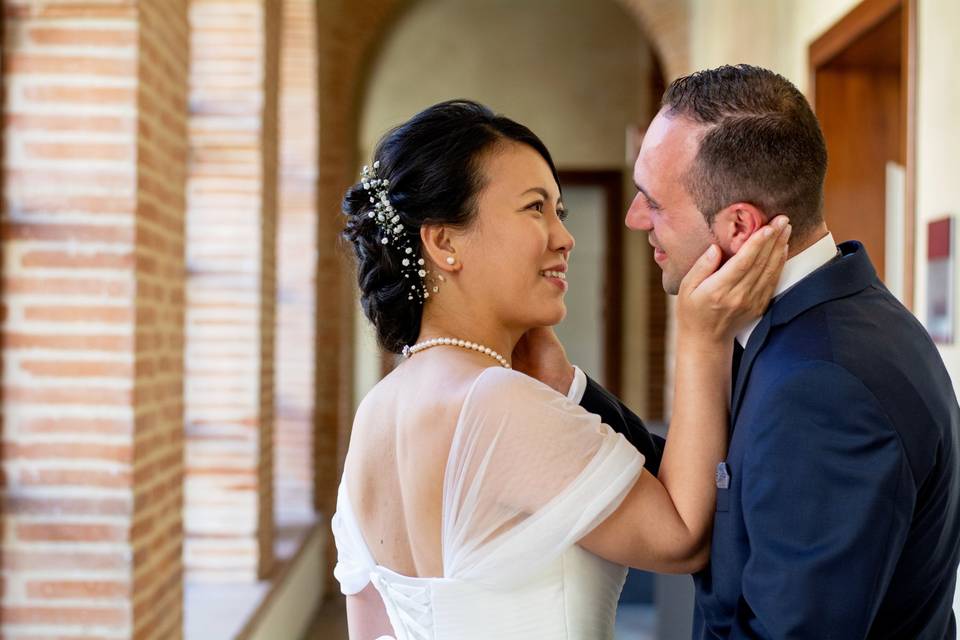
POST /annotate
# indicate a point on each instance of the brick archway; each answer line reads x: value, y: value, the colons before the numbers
x: 350, y: 35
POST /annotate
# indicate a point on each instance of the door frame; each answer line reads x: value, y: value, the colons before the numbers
x: 611, y: 181
x: 859, y: 21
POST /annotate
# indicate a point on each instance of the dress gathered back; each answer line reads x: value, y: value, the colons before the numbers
x: 528, y: 474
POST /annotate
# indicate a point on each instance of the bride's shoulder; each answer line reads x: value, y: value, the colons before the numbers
x: 417, y: 395
x: 516, y: 397
x: 419, y: 398
x: 510, y: 385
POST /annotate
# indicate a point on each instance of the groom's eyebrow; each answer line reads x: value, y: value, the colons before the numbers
x: 653, y: 203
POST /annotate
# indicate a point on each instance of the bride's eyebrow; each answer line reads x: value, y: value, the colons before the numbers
x: 538, y: 190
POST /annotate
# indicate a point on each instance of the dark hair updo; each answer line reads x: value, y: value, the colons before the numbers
x: 434, y: 166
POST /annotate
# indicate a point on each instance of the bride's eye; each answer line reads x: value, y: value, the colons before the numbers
x: 536, y: 206
x: 562, y: 214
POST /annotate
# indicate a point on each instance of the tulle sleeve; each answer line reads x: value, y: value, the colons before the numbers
x: 354, y: 562
x: 529, y: 474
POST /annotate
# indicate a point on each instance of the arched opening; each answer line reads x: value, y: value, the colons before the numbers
x: 586, y: 79
x: 350, y: 37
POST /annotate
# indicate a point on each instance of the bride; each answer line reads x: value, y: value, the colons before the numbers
x: 477, y: 502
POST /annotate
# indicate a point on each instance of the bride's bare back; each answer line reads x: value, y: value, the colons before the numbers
x: 398, y: 452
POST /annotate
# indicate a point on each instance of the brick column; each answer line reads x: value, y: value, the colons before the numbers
x: 231, y: 246
x: 92, y: 233
x: 296, y: 264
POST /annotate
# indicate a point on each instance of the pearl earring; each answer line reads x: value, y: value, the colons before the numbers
x: 451, y: 260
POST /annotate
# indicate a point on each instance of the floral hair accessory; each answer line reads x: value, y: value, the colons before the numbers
x: 394, y: 233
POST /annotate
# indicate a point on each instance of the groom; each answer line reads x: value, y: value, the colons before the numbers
x: 838, y: 507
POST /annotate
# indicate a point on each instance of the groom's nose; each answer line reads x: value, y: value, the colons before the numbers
x: 638, y: 218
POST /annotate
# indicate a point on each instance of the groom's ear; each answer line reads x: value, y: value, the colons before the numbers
x: 733, y: 225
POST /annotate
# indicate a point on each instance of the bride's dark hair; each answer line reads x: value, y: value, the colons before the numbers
x: 434, y: 166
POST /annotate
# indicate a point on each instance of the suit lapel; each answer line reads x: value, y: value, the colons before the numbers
x: 844, y: 276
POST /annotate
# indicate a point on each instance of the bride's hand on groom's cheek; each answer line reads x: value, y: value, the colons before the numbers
x: 541, y: 355
x: 716, y: 303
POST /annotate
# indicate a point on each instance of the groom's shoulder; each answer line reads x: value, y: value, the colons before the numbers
x: 875, y: 340
x: 850, y: 330
x: 869, y: 336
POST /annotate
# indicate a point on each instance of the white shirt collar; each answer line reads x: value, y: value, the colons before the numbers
x: 796, y: 269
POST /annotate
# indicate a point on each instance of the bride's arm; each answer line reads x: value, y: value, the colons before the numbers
x: 664, y: 523
x: 366, y: 616
x: 540, y: 354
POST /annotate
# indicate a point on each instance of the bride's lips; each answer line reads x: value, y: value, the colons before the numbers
x: 557, y: 276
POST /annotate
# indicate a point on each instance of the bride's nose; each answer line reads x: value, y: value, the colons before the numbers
x: 561, y: 240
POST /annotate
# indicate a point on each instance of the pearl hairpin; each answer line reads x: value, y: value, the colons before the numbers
x: 393, y: 232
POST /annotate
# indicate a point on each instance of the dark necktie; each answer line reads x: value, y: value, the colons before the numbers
x: 737, y: 357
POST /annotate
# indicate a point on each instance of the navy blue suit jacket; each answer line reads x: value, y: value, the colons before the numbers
x: 598, y: 400
x: 842, y: 515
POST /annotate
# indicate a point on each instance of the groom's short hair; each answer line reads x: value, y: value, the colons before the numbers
x: 763, y: 145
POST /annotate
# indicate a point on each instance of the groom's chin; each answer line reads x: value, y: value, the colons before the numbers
x: 671, y: 286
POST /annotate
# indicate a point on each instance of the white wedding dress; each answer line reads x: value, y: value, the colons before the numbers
x: 528, y: 474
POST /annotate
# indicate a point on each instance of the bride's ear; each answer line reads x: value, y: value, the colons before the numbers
x: 733, y: 225
x: 439, y: 246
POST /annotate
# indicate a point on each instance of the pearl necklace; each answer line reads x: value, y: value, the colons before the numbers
x: 453, y: 342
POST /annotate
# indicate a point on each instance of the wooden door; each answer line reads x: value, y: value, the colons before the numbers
x: 862, y: 91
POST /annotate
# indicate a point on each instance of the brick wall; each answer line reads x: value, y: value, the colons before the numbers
x: 269, y: 157
x: 157, y: 529
x: 296, y: 264
x: 92, y: 236
x: 230, y: 288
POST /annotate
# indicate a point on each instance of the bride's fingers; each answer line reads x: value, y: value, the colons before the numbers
x: 702, y: 269
x: 739, y: 272
x: 766, y: 269
x: 770, y: 277
x: 777, y: 258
